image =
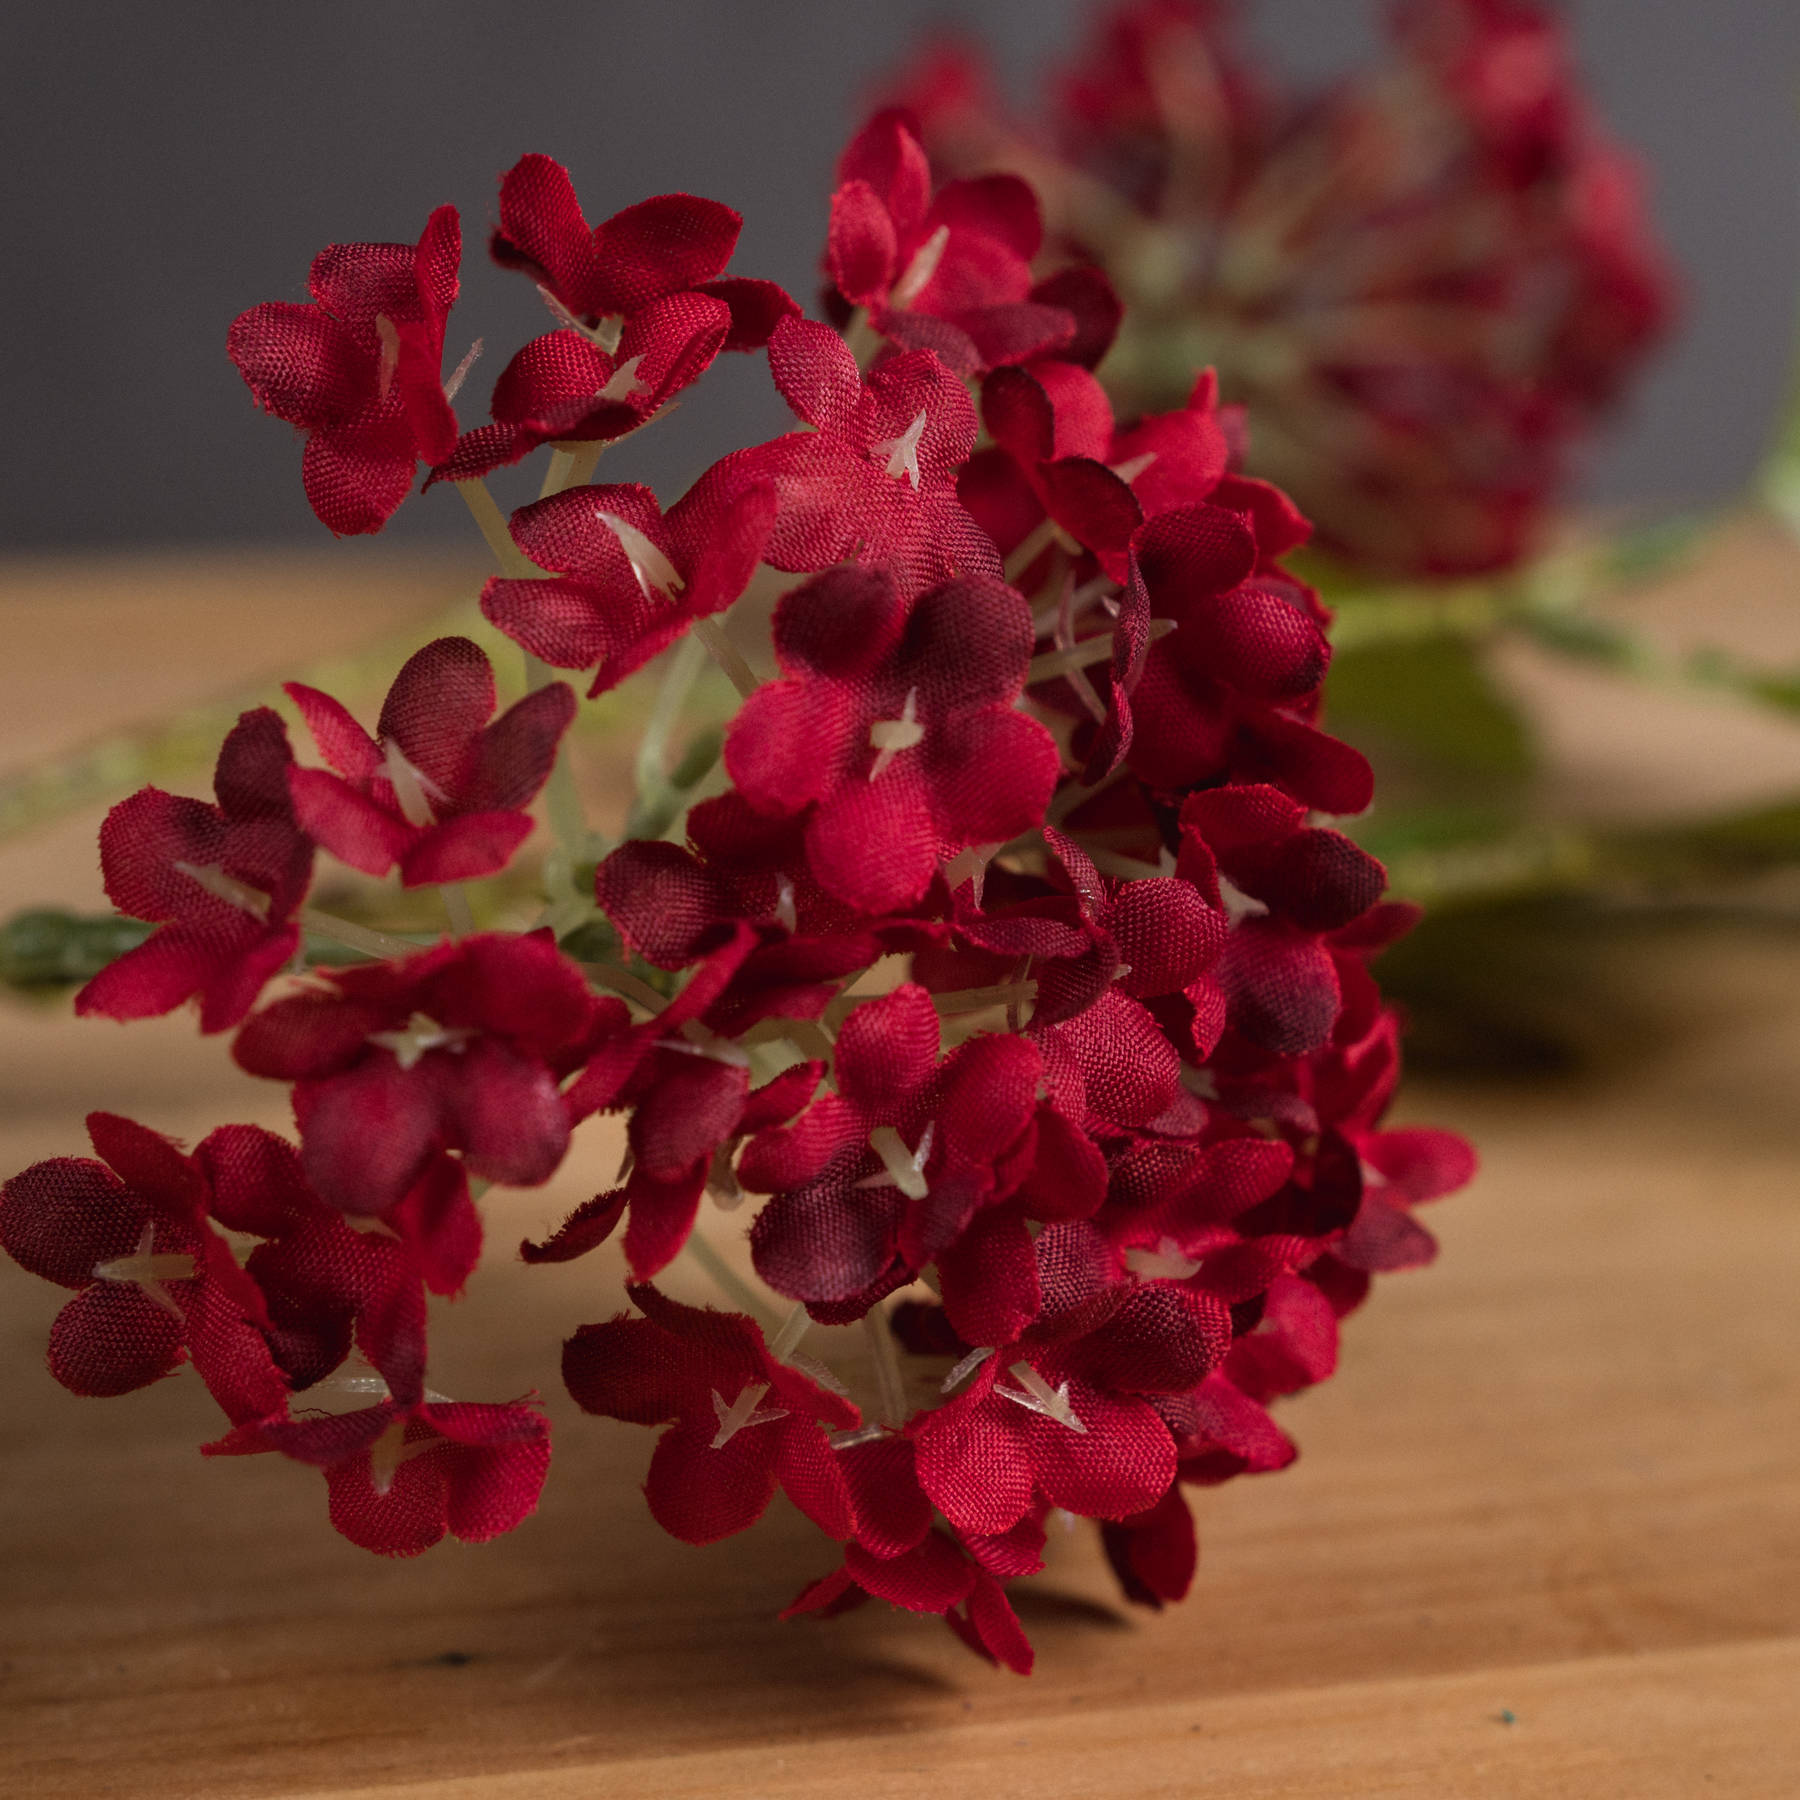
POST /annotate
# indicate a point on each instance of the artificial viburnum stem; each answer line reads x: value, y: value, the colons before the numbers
x: 888, y: 1381
x: 456, y: 909
x: 379, y: 944
x: 726, y: 654
x: 734, y: 1287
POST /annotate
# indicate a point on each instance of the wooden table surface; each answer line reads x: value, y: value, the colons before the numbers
x: 1543, y: 1539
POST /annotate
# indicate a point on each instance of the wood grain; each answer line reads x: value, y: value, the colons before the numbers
x: 1544, y: 1538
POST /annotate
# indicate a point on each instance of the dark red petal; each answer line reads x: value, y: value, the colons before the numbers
x: 631, y: 1369
x: 658, y: 247
x: 353, y: 827
x: 892, y: 1513
x: 464, y: 849
x: 930, y: 1578
x: 861, y: 249
x: 112, y: 1339
x: 700, y: 1494
x: 355, y: 487
x: 662, y: 1216
x: 973, y: 1465
x: 585, y: 1229
x: 816, y: 374
x: 811, y: 1477
x: 1122, y: 1463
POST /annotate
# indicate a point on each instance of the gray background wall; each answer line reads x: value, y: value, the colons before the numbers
x: 169, y: 164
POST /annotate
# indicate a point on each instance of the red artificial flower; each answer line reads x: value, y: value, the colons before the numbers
x: 439, y: 789
x: 895, y: 730
x: 691, y: 1103
x: 459, y: 1048
x: 1294, y: 884
x: 360, y: 370
x: 673, y: 244
x: 875, y: 1180
x: 741, y: 1422
x: 629, y: 579
x: 224, y: 881
x: 401, y: 1475
x: 874, y: 480
x: 644, y: 310
x: 1426, y: 280
x: 950, y: 274
x: 154, y: 1283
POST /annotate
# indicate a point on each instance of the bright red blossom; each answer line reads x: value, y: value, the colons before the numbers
x: 360, y: 370
x: 439, y: 789
x: 993, y: 950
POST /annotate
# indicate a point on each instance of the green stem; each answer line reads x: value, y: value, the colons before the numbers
x: 733, y: 1285
x: 380, y: 944
x: 727, y: 655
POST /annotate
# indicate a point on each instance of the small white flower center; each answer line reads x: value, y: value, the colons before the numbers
x: 460, y: 373
x: 1128, y: 472
x: 889, y: 737
x: 390, y: 1450
x: 966, y: 1368
x: 1164, y: 1263
x: 902, y: 1168
x: 1039, y: 1396
x: 920, y: 270
x: 657, y: 578
x: 414, y: 790
x: 696, y: 1040
x: 1238, y: 904
x: 902, y: 452
x: 147, y: 1270
x: 225, y: 887
x: 390, y: 352
x: 742, y: 1413
x: 787, y: 915
x: 623, y: 383
x: 421, y: 1034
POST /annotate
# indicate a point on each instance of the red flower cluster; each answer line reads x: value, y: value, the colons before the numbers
x: 1014, y: 971
x: 1425, y: 281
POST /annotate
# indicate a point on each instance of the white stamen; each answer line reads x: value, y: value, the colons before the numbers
x: 920, y: 270
x: 1128, y: 472
x: 742, y: 1413
x: 1040, y: 1397
x: 421, y: 1034
x: 390, y: 352
x: 225, y: 887
x: 460, y: 373
x: 623, y: 383
x: 904, y: 1169
x: 390, y: 1450
x: 1164, y: 1263
x: 148, y: 1270
x: 863, y: 1434
x: 656, y: 575
x: 793, y: 1329
x: 971, y: 865
x: 696, y: 1040
x: 966, y: 1368
x: 890, y: 736
x: 786, y: 915
x: 1238, y: 904
x: 902, y: 452
x: 816, y: 1371
x: 604, y: 332
x: 413, y: 788
x: 722, y: 1181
